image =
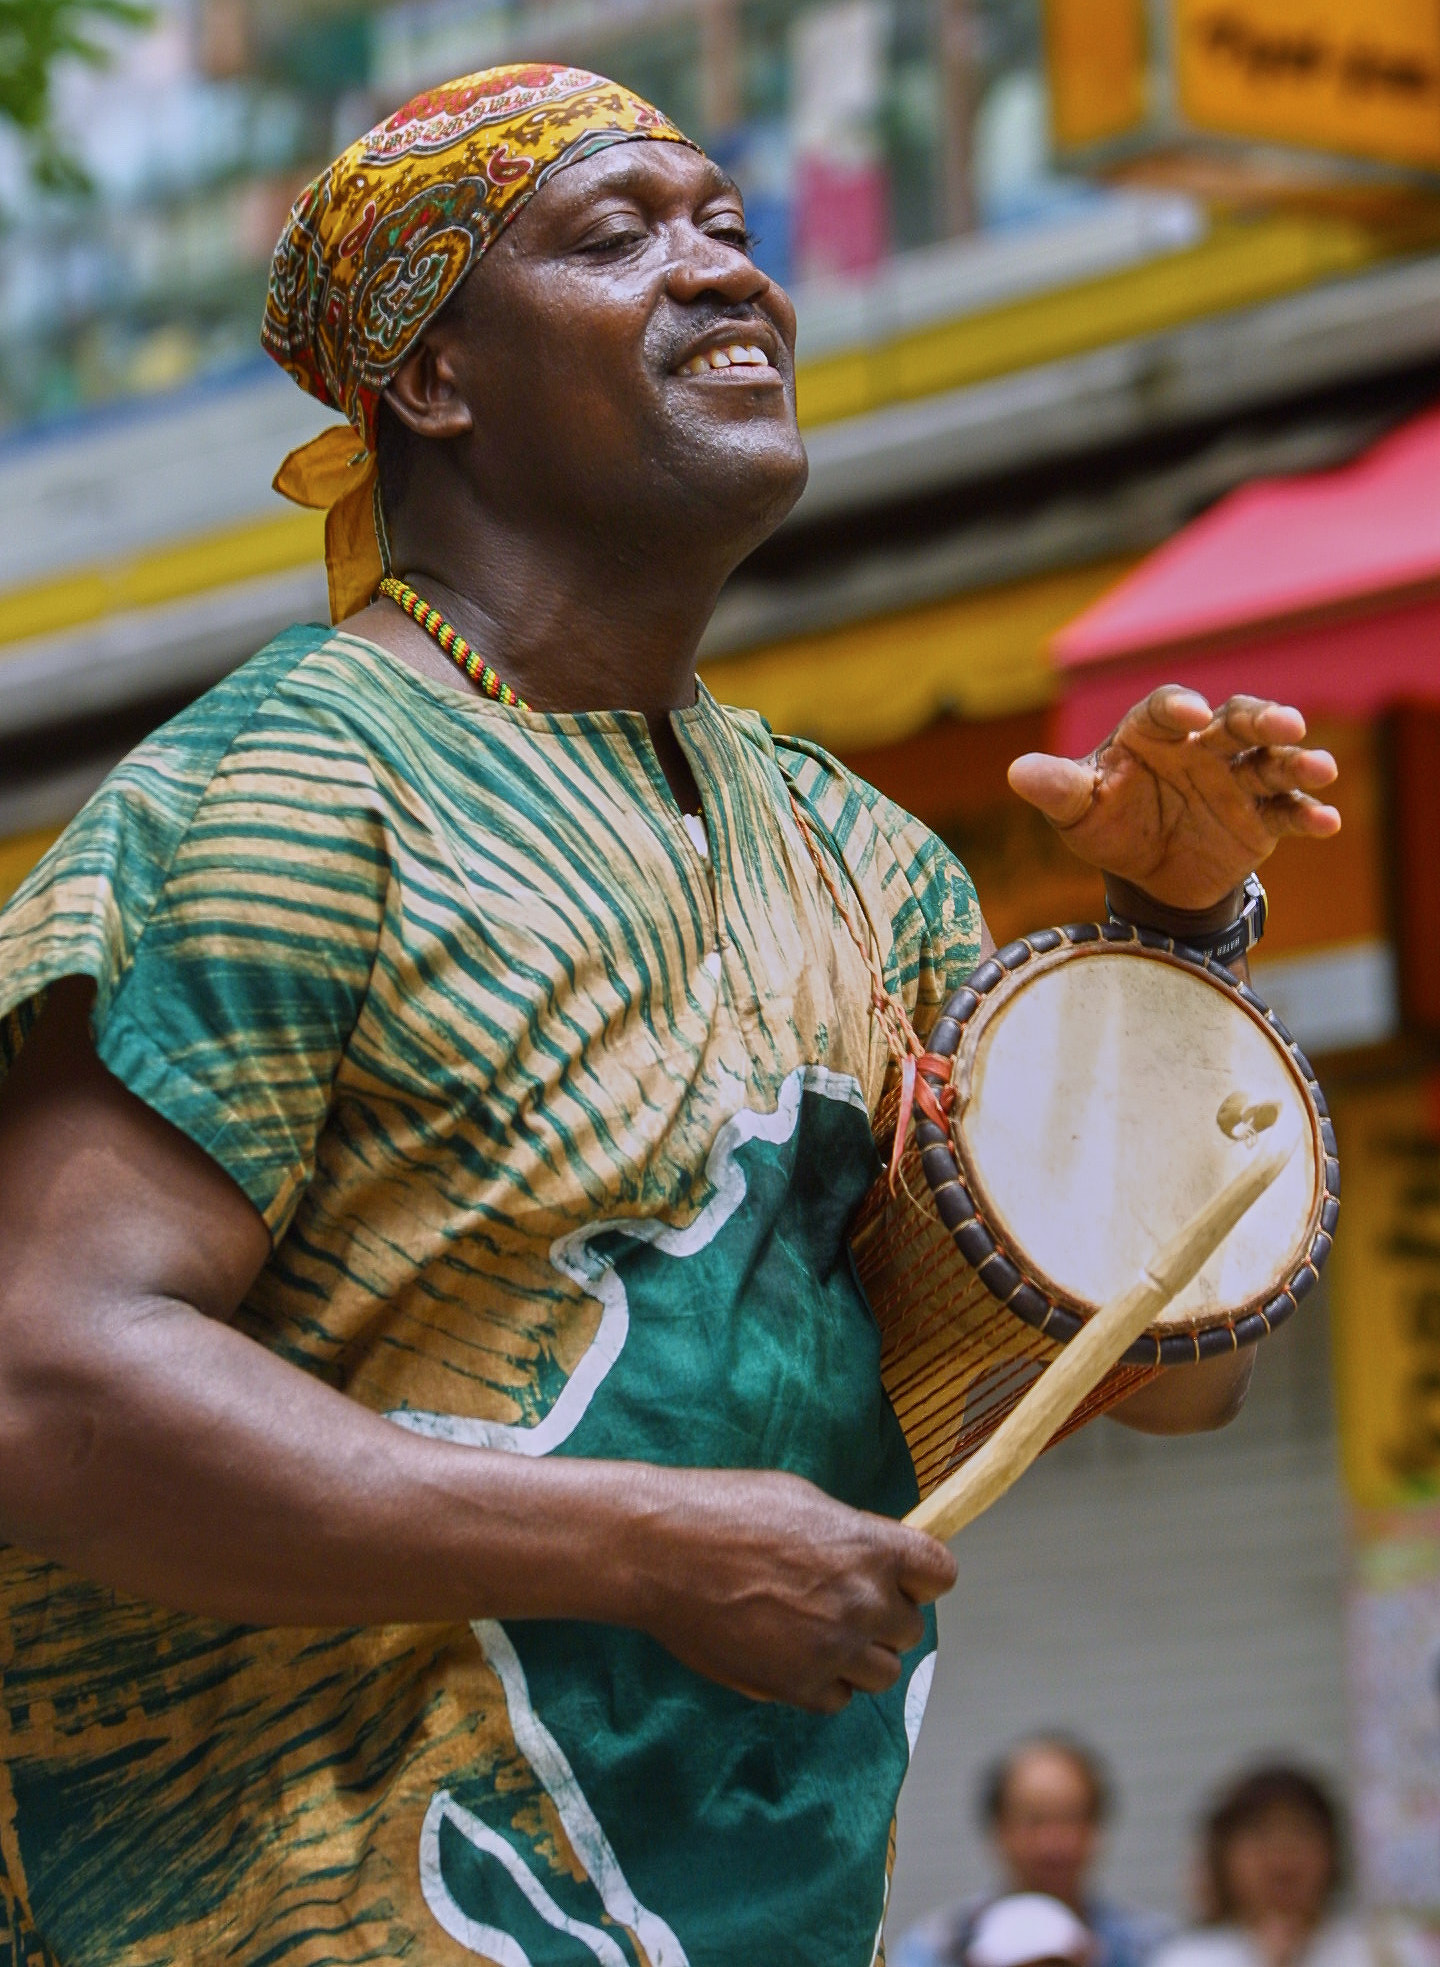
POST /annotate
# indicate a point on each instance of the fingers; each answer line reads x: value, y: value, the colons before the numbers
x: 927, y: 1569
x: 1061, y: 788
x: 1262, y: 740
x: 1244, y: 723
x: 860, y: 1653
x: 878, y: 1616
x: 872, y: 1668
x: 1274, y: 769
x: 1064, y: 789
x: 1167, y: 714
x: 1173, y: 713
x: 1281, y: 778
x: 898, y: 1623
x: 1296, y: 813
x: 875, y: 1671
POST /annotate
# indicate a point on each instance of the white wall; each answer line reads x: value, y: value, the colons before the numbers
x: 1178, y: 1603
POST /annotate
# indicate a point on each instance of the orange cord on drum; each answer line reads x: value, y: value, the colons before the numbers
x: 918, y: 1094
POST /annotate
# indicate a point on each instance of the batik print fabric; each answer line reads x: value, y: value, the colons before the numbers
x: 557, y: 1124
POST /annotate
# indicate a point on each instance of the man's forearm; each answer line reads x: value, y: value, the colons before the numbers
x: 170, y: 1456
x: 178, y: 1461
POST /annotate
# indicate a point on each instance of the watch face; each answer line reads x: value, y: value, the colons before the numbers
x: 1256, y: 911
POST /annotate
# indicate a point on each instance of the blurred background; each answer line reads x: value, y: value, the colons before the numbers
x: 1119, y: 362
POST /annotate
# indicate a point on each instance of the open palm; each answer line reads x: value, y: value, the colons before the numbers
x: 1181, y: 801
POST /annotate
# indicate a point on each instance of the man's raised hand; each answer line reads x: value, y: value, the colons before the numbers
x: 1181, y: 801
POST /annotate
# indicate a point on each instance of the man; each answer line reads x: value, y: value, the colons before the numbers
x: 383, y: 1052
x: 1044, y: 1807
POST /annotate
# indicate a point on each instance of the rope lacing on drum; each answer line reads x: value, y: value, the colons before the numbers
x: 901, y: 1040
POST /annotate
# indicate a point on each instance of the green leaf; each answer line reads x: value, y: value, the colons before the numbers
x: 36, y: 35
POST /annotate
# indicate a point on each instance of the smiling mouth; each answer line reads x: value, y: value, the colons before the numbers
x: 734, y: 355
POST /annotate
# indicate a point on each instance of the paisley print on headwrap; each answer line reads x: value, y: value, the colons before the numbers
x: 381, y: 240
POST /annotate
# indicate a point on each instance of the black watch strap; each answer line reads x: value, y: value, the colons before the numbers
x: 1225, y: 945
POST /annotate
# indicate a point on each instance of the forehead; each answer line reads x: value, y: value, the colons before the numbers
x: 655, y: 173
x: 1281, y: 1817
x: 1046, y: 1776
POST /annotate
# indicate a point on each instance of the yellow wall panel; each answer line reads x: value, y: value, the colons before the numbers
x: 19, y: 854
x: 1241, y: 264
x: 1386, y: 1292
x: 164, y: 573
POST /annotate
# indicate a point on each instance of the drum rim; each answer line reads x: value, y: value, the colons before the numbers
x: 1037, y: 1300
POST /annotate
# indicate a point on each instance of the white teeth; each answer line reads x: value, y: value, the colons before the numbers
x: 739, y: 355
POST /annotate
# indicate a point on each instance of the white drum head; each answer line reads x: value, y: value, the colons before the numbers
x: 1105, y: 1093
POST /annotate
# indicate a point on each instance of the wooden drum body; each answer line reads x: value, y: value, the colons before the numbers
x: 1106, y: 1083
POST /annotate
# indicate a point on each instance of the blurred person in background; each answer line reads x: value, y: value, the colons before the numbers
x: 1271, y: 1868
x: 1044, y: 1807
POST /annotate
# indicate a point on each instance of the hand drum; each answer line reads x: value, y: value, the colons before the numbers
x: 1107, y: 1084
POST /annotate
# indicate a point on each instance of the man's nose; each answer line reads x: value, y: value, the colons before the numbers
x: 701, y: 265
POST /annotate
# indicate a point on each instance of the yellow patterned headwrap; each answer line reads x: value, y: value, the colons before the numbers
x: 379, y: 242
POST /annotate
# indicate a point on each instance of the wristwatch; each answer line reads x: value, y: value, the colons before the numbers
x: 1225, y: 945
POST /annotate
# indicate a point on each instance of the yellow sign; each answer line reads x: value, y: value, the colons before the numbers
x: 1095, y: 54
x: 1385, y: 1280
x: 1361, y: 76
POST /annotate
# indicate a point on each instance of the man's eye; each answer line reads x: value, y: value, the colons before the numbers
x: 614, y: 241
x: 735, y: 233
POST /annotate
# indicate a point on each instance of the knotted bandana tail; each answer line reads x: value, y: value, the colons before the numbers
x: 336, y: 475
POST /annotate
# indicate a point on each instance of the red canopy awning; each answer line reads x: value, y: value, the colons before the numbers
x: 1322, y: 590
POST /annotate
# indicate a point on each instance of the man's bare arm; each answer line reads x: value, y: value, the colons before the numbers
x: 145, y: 1443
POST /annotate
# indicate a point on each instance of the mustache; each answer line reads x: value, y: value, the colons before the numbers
x: 675, y: 331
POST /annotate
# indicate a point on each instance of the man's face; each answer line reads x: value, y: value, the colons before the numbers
x: 625, y: 361
x: 1047, y: 1836
x: 1280, y: 1866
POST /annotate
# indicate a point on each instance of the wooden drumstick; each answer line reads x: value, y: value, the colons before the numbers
x: 963, y: 1496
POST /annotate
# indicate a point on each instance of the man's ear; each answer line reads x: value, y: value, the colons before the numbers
x: 424, y: 395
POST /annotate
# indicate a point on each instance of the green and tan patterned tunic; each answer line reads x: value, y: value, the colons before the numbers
x: 557, y: 1108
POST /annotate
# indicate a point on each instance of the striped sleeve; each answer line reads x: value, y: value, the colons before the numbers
x: 225, y: 890
x: 930, y: 899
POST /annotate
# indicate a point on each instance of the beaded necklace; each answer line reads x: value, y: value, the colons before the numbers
x: 448, y: 638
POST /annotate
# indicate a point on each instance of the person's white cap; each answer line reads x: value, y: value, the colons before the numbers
x: 1025, y: 1928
